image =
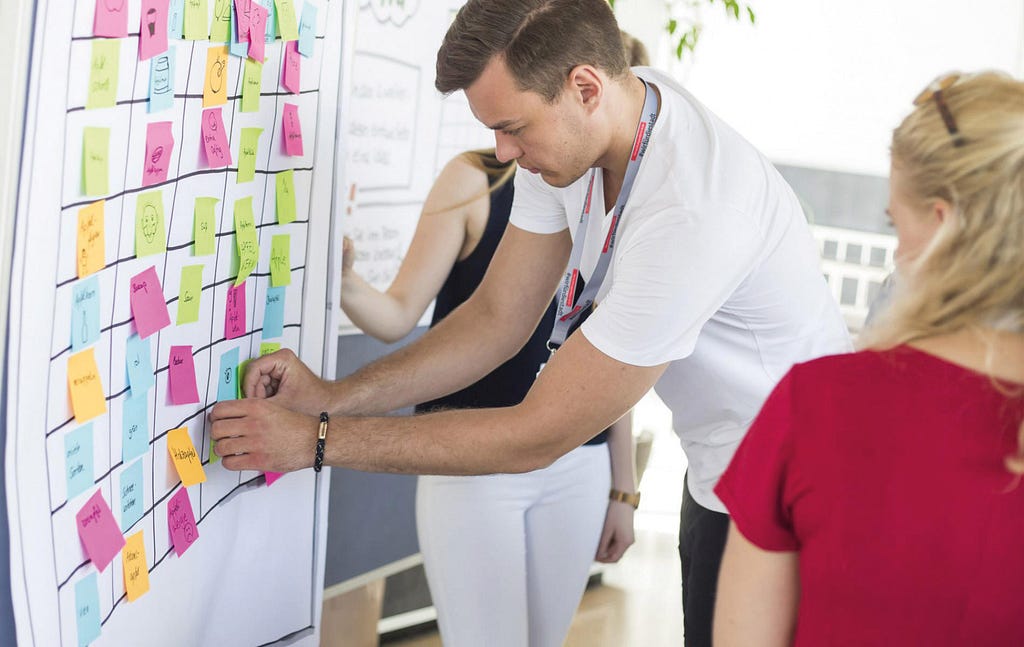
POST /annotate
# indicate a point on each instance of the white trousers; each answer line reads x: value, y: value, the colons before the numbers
x: 507, y: 556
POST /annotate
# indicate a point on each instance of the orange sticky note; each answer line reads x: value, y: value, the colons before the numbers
x: 87, y: 399
x: 185, y: 457
x: 136, y: 570
x: 215, y: 89
x: 91, y: 243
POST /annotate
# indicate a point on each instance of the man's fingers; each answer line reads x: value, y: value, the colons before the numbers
x: 227, y: 409
x: 231, y: 445
x: 271, y: 368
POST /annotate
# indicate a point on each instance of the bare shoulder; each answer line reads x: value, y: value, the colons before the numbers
x: 459, y: 185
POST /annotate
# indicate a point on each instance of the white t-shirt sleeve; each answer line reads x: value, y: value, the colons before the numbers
x: 675, y: 271
x: 536, y: 206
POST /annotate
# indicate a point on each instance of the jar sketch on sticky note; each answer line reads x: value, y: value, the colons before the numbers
x: 162, y: 75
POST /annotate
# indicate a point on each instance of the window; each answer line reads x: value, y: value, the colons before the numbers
x: 831, y: 249
x: 878, y: 256
x: 853, y: 253
x: 848, y: 294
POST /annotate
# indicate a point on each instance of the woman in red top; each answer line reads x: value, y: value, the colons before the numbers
x: 877, y: 499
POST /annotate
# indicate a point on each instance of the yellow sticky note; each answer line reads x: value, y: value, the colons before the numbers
x: 103, y: 73
x: 252, y: 83
x: 215, y: 89
x: 95, y: 160
x: 204, y: 226
x: 248, y: 245
x: 185, y: 457
x: 285, y: 197
x: 247, y: 154
x: 269, y: 347
x: 136, y: 570
x: 286, y: 19
x: 196, y: 20
x: 91, y: 243
x: 150, y: 230
x: 220, y: 31
x: 281, y: 260
x: 85, y: 386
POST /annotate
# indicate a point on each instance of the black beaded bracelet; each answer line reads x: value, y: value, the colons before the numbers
x: 321, y: 440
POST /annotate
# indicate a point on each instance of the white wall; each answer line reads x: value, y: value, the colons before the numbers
x: 822, y: 83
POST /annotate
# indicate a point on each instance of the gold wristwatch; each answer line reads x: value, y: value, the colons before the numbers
x: 632, y: 499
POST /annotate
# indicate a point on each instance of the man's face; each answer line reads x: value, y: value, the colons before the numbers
x: 546, y: 138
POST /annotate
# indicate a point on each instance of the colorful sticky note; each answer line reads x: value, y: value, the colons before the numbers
x: 85, y: 313
x: 258, y: 33
x: 86, y: 389
x: 183, y: 453
x: 159, y: 146
x: 91, y: 242
x: 87, y: 603
x: 273, y: 313
x: 78, y: 460
x: 215, y: 139
x: 290, y: 75
x: 307, y: 29
x: 271, y: 19
x: 175, y: 18
x: 215, y: 88
x: 220, y: 30
x: 150, y: 231
x: 204, y: 226
x: 148, y: 305
x: 98, y: 531
x: 281, y: 260
x: 181, y: 522
x: 234, y: 312
x: 110, y: 19
x: 140, y: 365
x: 152, y: 28
x: 246, y: 241
x: 286, y: 20
x: 239, y: 48
x: 269, y: 347
x: 284, y: 198
x: 161, y: 81
x: 196, y: 16
x: 181, y: 376
x: 227, y: 378
x: 247, y: 154
x: 134, y: 427
x: 190, y: 293
x: 95, y: 160
x: 103, y: 74
x: 243, y: 14
x: 292, y: 131
x: 132, y: 498
x: 136, y: 570
x: 242, y: 366
x: 272, y: 476
x: 252, y: 81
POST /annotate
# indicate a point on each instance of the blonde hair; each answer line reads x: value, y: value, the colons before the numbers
x: 970, y: 276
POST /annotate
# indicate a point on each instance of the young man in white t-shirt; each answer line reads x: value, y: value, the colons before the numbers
x: 712, y: 288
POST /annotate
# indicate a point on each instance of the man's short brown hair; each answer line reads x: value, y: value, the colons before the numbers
x: 540, y: 40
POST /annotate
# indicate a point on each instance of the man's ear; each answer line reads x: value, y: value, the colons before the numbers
x: 587, y: 85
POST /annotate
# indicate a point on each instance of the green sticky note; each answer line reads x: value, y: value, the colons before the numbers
x: 190, y: 293
x: 247, y: 154
x: 245, y: 239
x: 106, y: 55
x: 213, y: 452
x: 252, y: 82
x: 196, y: 16
x: 204, y: 227
x: 150, y: 233
x: 285, y: 197
x: 95, y: 160
x: 269, y: 347
x: 241, y: 378
x: 286, y: 19
x: 280, y: 260
x: 220, y: 31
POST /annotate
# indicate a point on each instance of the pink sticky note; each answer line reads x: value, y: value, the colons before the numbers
x: 234, y: 312
x: 181, y: 521
x: 148, y: 305
x: 215, y: 139
x: 181, y: 375
x: 258, y: 33
x: 272, y: 476
x: 243, y: 13
x: 292, y: 131
x: 111, y: 19
x: 292, y: 67
x: 152, y: 29
x: 159, y: 146
x: 98, y: 531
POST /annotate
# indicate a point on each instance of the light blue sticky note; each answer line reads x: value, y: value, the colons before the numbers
x: 273, y: 314
x: 78, y: 460
x: 307, y: 29
x: 175, y: 18
x: 87, y: 609
x: 131, y: 495
x: 236, y: 48
x: 227, y: 379
x: 140, y: 365
x: 161, y: 81
x: 271, y: 19
x: 85, y: 313
x: 134, y: 428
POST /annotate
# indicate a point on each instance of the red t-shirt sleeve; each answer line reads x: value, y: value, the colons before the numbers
x: 753, y: 486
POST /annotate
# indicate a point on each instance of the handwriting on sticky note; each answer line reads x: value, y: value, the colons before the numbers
x: 204, y: 226
x: 186, y: 459
x: 78, y: 460
x: 85, y: 313
x: 215, y: 139
x: 110, y: 19
x: 252, y: 82
x: 292, y: 130
x: 181, y: 521
x: 239, y: 48
x: 227, y: 378
x: 280, y: 260
x: 220, y: 30
x: 291, y: 75
x: 286, y: 19
x: 149, y: 308
x: 258, y: 33
x: 91, y: 239
x: 95, y: 160
x: 271, y: 19
x: 136, y: 569
x: 284, y: 197
x: 181, y: 370
x: 269, y: 347
x: 87, y: 603
x: 307, y: 29
x: 175, y: 18
x: 245, y: 239
x: 150, y: 230
x: 234, y: 312
x: 98, y: 531
x: 190, y: 293
x: 132, y: 498
x: 153, y: 29
x: 134, y: 427
x: 247, y: 150
x: 140, y: 365
x: 159, y: 146
x: 103, y: 74
x: 196, y: 16
x: 215, y: 89
x: 87, y: 400
x: 161, y: 80
x: 243, y: 14
x: 273, y: 313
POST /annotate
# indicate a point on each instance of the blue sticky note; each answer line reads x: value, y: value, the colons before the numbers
x: 87, y: 609
x: 134, y: 427
x: 140, y: 365
x: 78, y: 460
x: 227, y: 379
x: 85, y: 313
x: 271, y: 19
x: 161, y: 81
x: 307, y: 29
x: 236, y: 48
x: 131, y: 495
x: 273, y: 314
x: 175, y: 18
